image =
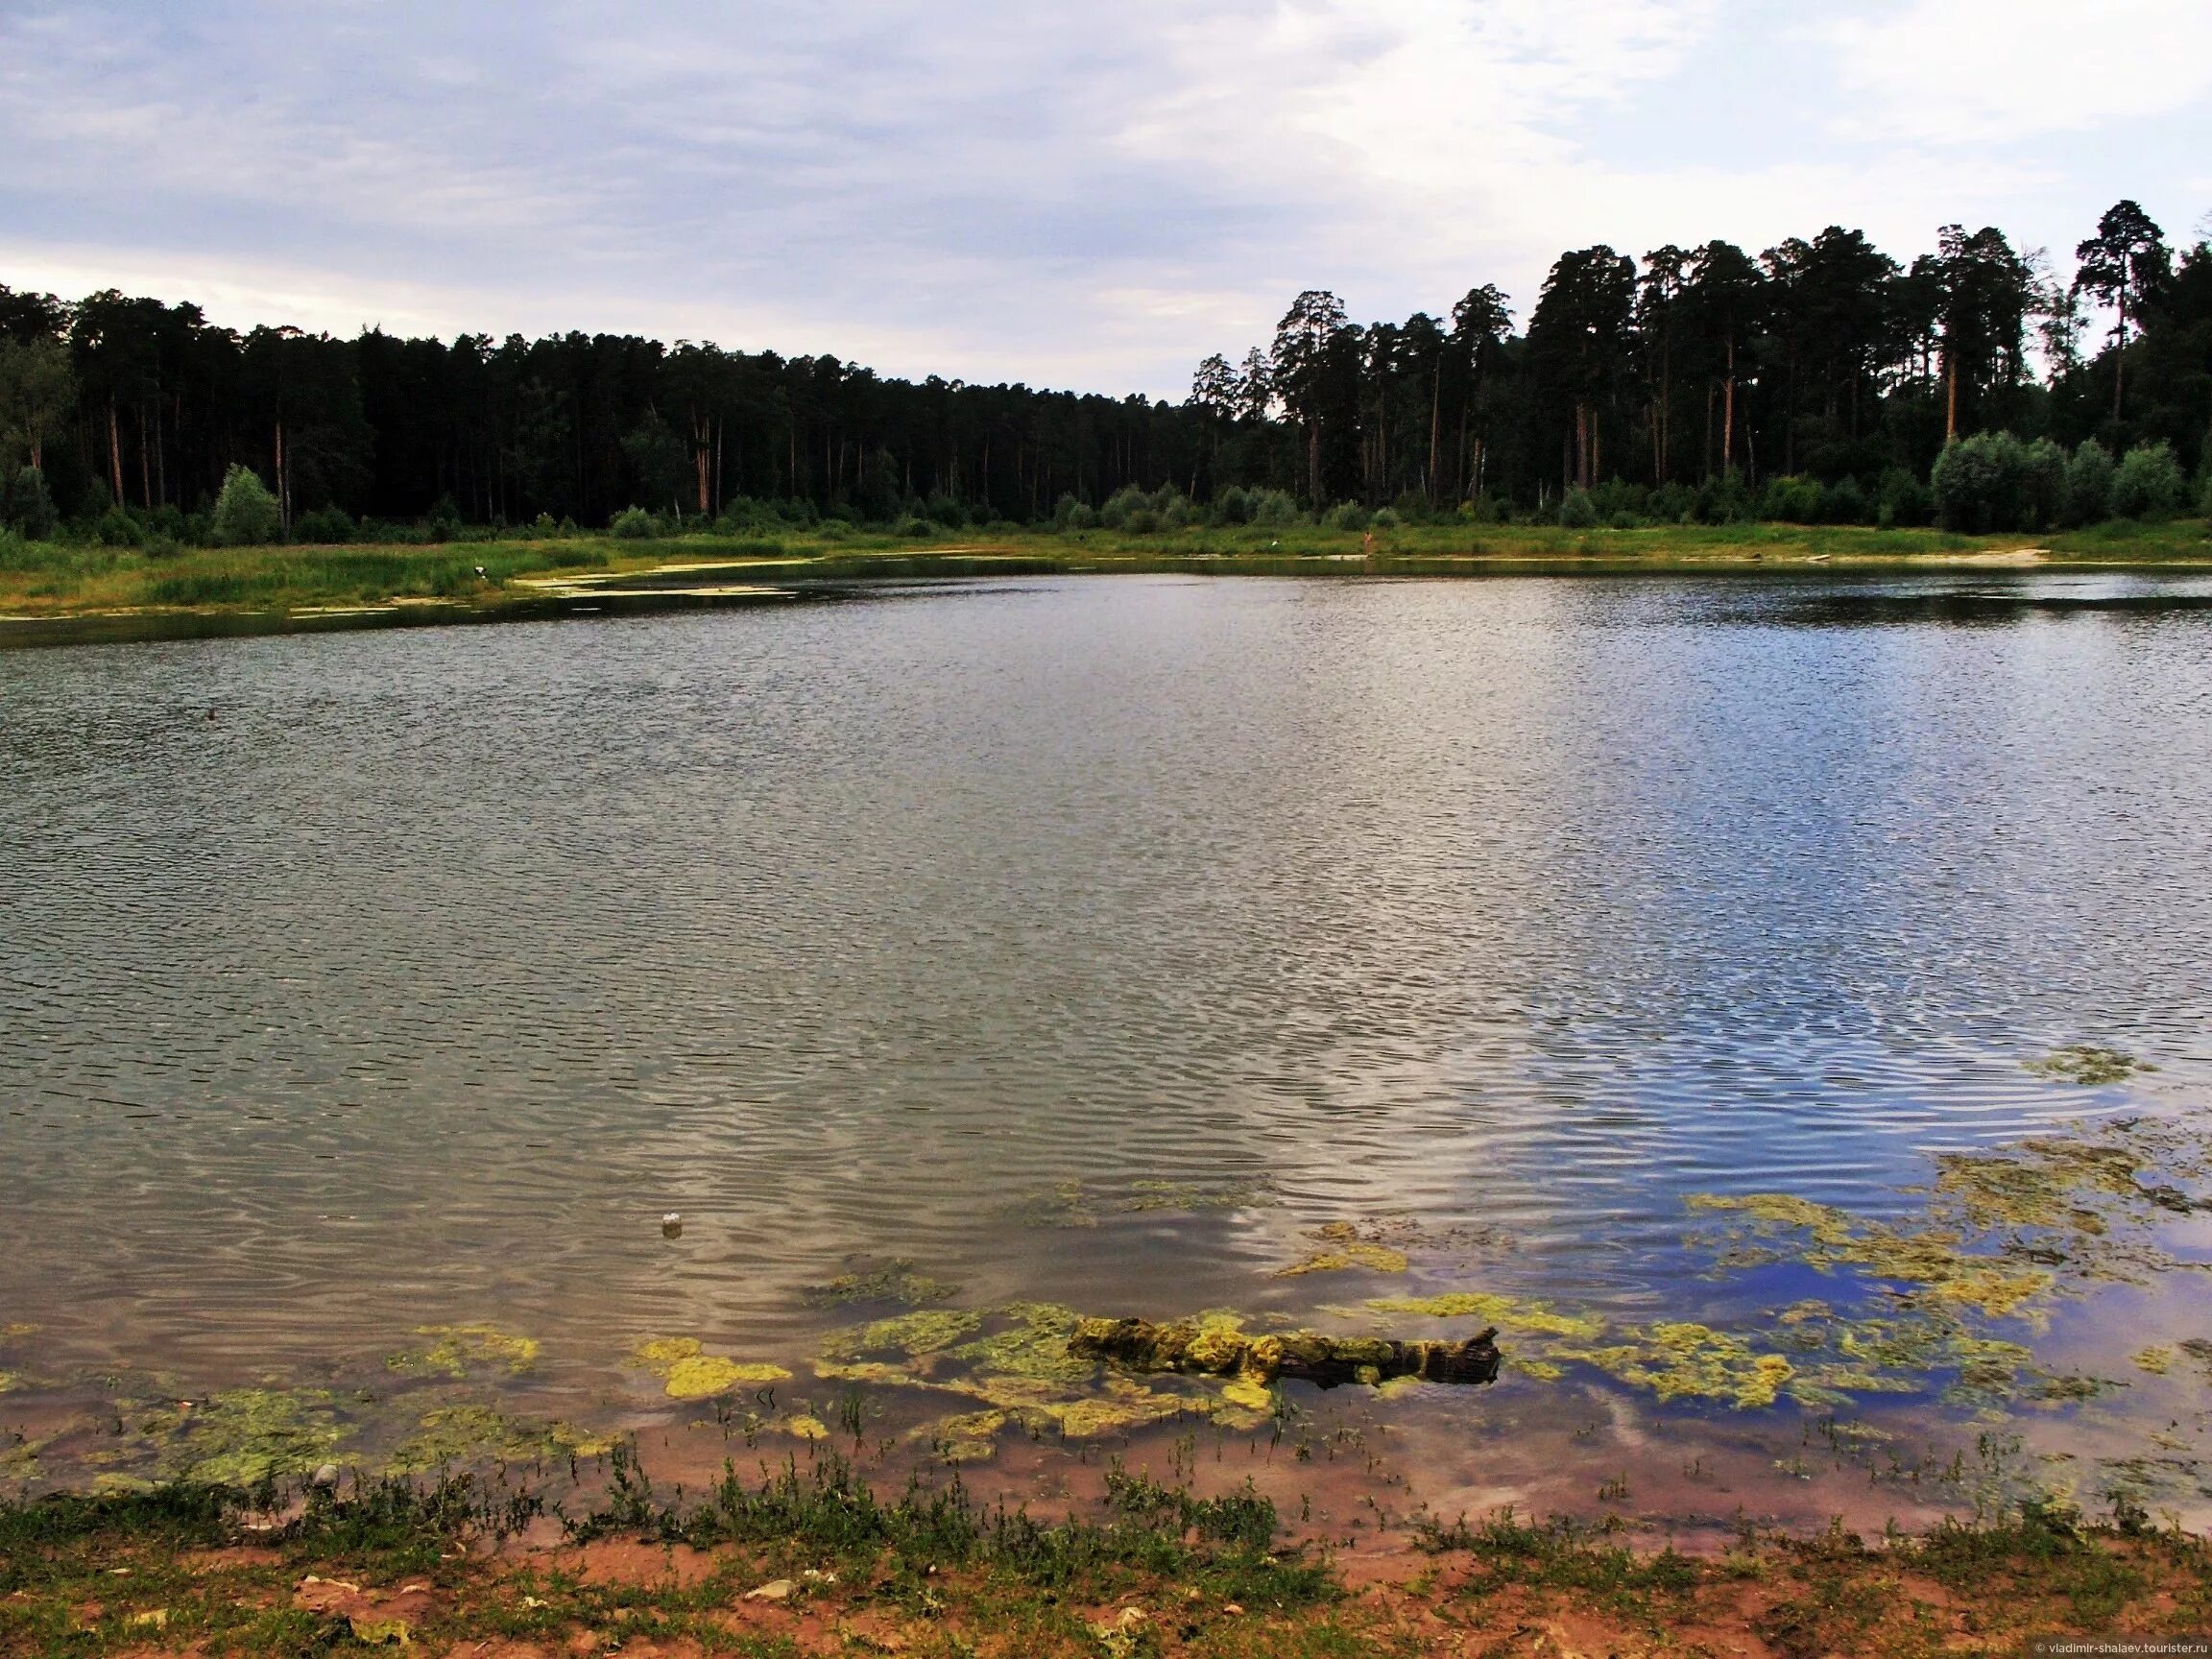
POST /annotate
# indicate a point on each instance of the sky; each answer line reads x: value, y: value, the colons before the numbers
x: 1082, y: 196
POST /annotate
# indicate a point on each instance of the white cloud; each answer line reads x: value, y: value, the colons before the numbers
x: 1966, y: 71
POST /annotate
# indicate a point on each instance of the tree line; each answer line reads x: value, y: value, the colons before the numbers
x: 1820, y: 378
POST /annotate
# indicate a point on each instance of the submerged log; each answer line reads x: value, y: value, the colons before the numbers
x: 1211, y: 1351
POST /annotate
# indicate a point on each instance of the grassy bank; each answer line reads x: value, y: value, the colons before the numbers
x: 43, y: 579
x: 808, y: 1560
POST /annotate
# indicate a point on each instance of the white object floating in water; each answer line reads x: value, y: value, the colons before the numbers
x: 671, y: 1225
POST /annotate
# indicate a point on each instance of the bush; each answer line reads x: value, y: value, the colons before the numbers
x: 246, y: 513
x: 1992, y: 481
x: 1844, y: 502
x: 2043, y: 486
x: 1349, y: 515
x: 118, y: 529
x: 324, y: 525
x: 1385, y: 518
x: 1724, y: 501
x: 1273, y: 509
x: 28, y: 506
x: 2148, y: 483
x: 1233, y: 506
x: 1901, y: 498
x: 1792, y: 500
x: 1577, y: 511
x: 1128, y: 499
x: 632, y: 524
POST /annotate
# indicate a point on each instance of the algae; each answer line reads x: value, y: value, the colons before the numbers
x: 805, y: 1426
x: 1148, y: 1195
x: 914, y: 1335
x: 1509, y: 1313
x: 458, y: 1349
x: 243, y: 1437
x: 1064, y: 1205
x: 894, y: 1280
x: 2157, y: 1361
x: 2088, y: 1063
x: 461, y: 1434
x: 1932, y: 1261
x: 1033, y: 1345
x: 1345, y: 1249
x: 1679, y: 1359
x: 689, y: 1373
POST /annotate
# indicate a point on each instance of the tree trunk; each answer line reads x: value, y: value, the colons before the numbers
x: 114, y: 453
x: 2120, y: 366
x: 1728, y: 414
x: 1435, y: 426
x: 1950, y: 396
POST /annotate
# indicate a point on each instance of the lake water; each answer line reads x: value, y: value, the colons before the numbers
x: 1094, y: 941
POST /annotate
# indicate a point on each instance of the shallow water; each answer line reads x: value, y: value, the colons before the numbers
x: 418, y: 983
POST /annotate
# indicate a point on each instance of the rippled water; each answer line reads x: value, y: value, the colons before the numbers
x: 354, y: 981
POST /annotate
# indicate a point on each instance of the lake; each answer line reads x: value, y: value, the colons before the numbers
x: 1118, y: 944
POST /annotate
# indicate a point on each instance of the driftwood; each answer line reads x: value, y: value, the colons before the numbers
x: 1210, y: 1351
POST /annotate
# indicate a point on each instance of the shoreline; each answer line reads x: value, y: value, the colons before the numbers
x: 242, y: 593
x: 810, y: 1558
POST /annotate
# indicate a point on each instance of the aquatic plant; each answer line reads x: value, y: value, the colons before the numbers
x: 894, y: 1280
x: 244, y: 1436
x: 690, y: 1373
x: 455, y: 1350
x: 452, y: 1435
x: 2088, y: 1063
x: 1344, y: 1248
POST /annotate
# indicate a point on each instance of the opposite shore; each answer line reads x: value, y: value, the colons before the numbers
x: 61, y: 594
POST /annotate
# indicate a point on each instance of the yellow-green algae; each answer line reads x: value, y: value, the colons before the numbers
x: 459, y: 1434
x: 1343, y: 1248
x: 894, y: 1280
x: 1682, y: 1361
x: 1145, y: 1195
x: 242, y: 1436
x: 2157, y: 1360
x: 455, y: 1350
x: 689, y: 1373
x: 1930, y: 1260
x: 1509, y: 1313
x: 928, y: 1332
x: 2088, y: 1063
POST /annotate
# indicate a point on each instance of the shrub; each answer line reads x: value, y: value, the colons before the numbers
x: 1141, y: 521
x: 1385, y: 518
x: 246, y: 513
x: 1128, y: 499
x: 1844, y: 502
x: 1233, y: 506
x: 1724, y: 501
x: 2043, y: 486
x: 1577, y: 511
x: 2089, y: 485
x: 2148, y: 483
x: 1272, y: 509
x: 1349, y: 515
x: 28, y: 506
x: 1901, y: 498
x: 324, y: 525
x: 633, y: 524
x: 1616, y: 499
x: 1792, y: 500
x: 118, y: 529
x: 1992, y: 481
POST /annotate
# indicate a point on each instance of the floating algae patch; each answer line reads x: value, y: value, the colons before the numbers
x: 1034, y: 1344
x: 1509, y: 1313
x: 690, y: 1373
x: 1146, y: 1195
x: 242, y: 1436
x: 1682, y: 1361
x: 2088, y: 1063
x: 911, y: 1335
x: 805, y: 1426
x: 1932, y: 1261
x: 894, y: 1280
x: 2156, y: 1360
x: 1064, y: 1205
x: 9, y: 1380
x: 464, y: 1434
x: 1343, y: 1248
x: 457, y: 1349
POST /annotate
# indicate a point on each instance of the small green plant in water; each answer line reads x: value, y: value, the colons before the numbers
x: 690, y: 1373
x: 894, y: 1280
x: 2088, y: 1063
x: 457, y: 1349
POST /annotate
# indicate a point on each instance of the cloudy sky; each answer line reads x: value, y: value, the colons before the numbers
x: 1092, y: 195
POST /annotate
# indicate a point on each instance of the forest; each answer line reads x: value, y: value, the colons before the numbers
x: 1821, y: 380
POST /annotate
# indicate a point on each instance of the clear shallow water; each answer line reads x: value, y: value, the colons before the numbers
x: 415, y: 985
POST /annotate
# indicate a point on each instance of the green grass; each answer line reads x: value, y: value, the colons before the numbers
x: 934, y: 1571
